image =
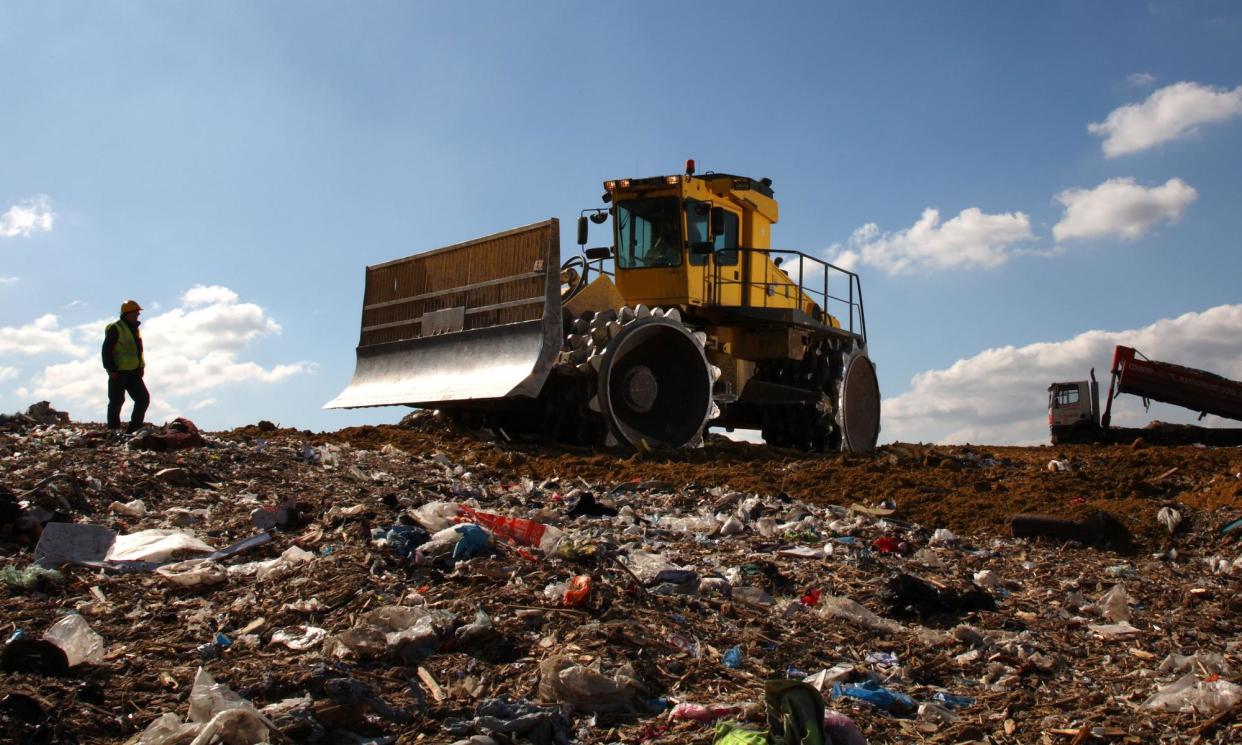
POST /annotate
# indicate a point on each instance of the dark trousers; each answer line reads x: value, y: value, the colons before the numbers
x: 127, y: 381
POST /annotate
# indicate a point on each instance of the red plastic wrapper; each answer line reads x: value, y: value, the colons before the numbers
x: 513, y: 529
x: 811, y: 597
x: 886, y: 545
x: 578, y: 592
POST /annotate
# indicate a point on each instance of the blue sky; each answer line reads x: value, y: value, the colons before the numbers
x: 264, y: 153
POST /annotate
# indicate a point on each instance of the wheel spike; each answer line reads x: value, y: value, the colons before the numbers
x: 657, y: 312
x: 642, y: 311
x: 593, y: 404
x: 626, y: 314
x: 714, y: 371
x: 674, y: 314
x: 596, y: 362
x: 614, y: 328
x: 700, y: 337
x: 713, y: 412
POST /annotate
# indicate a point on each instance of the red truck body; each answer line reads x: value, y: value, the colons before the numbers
x: 1197, y: 390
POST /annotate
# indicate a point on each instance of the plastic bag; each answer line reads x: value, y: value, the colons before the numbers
x: 193, y: 573
x: 299, y: 638
x: 515, y: 529
x: 1188, y: 695
x: 1114, y: 605
x: 136, y: 508
x: 436, y: 516
x: 846, y: 609
x: 1169, y: 518
x: 563, y: 681
x: 652, y: 568
x: 1203, y: 663
x: 78, y: 640
x: 578, y: 592
x: 157, y: 544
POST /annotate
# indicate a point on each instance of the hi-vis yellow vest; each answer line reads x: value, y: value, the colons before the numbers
x: 125, y: 354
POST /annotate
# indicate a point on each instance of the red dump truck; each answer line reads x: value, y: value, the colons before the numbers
x: 1074, y: 408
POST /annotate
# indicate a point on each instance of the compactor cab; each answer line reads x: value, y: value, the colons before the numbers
x: 687, y: 318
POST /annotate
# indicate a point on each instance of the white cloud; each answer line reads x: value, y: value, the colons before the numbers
x: 999, y: 396
x: 1121, y: 208
x: 190, y: 350
x: 1141, y: 79
x: 27, y: 218
x: 200, y: 295
x: 1172, y: 112
x: 41, y: 336
x: 971, y: 239
x: 8, y: 280
x: 7, y: 373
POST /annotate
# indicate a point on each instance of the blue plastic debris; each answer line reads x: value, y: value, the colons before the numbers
x: 403, y: 539
x: 953, y: 702
x: 876, y: 695
x: 473, y: 540
x: 733, y: 658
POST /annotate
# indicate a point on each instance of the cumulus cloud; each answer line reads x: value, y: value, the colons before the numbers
x: 1141, y: 79
x: 192, y: 349
x: 7, y: 373
x: 28, y: 217
x: 41, y: 336
x: 1170, y: 113
x: 972, y: 239
x: 999, y: 396
x: 1121, y: 208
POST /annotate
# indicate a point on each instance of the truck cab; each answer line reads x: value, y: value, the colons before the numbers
x: 700, y: 241
x: 1074, y: 410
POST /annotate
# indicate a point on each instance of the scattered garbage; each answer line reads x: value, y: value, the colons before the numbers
x: 179, y: 434
x: 877, y: 695
x: 563, y: 681
x: 1191, y: 695
x: 1169, y: 518
x: 77, y: 639
x: 421, y: 587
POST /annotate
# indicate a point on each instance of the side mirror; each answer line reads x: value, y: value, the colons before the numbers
x: 602, y: 252
x: 583, y: 227
x: 717, y: 226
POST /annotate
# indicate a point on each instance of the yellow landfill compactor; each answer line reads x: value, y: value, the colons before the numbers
x: 689, y: 319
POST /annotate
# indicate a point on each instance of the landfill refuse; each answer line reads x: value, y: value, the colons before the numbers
x: 77, y: 639
x: 358, y: 625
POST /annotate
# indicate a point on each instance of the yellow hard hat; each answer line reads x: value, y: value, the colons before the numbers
x: 129, y: 306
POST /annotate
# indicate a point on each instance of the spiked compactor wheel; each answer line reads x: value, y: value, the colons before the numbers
x: 647, y: 374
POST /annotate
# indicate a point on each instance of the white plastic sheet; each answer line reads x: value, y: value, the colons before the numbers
x: 157, y: 544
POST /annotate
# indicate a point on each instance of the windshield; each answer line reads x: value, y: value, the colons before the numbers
x: 648, y: 233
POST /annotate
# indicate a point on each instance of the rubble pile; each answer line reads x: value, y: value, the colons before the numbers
x: 416, y: 583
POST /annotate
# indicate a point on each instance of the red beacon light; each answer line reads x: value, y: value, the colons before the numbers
x: 690, y: 166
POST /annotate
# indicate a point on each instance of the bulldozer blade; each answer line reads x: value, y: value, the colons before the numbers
x: 472, y: 323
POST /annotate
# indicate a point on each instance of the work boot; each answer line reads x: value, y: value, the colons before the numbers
x: 132, y: 428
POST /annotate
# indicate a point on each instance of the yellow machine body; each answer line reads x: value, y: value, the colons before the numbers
x: 699, y: 322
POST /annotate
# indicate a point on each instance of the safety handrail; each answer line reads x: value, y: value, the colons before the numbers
x: 850, y: 304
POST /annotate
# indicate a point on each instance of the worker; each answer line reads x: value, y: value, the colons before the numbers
x: 122, y: 358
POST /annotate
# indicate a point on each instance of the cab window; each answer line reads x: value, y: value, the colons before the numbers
x: 648, y: 233
x: 698, y: 217
x: 1066, y: 397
